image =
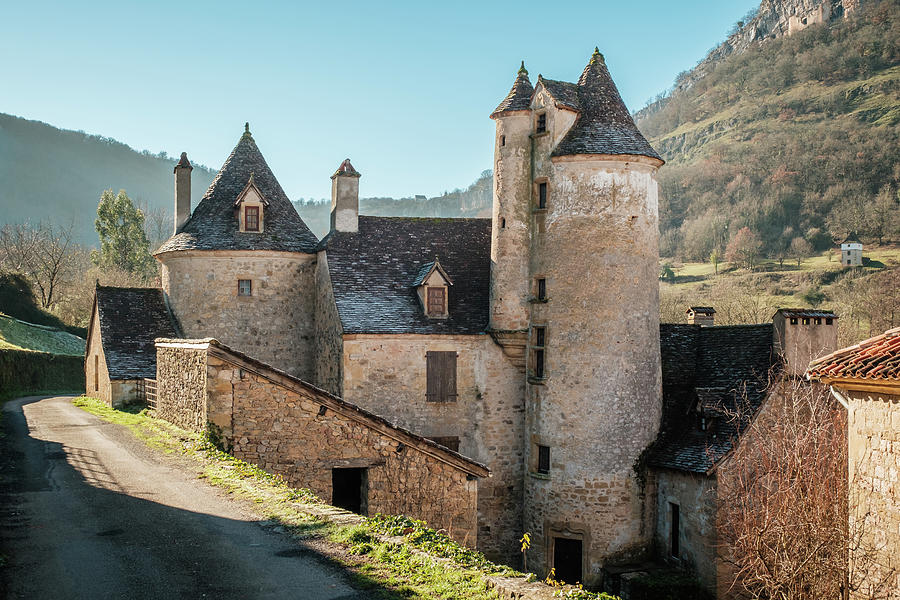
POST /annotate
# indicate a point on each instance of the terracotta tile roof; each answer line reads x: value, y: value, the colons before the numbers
x: 371, y: 272
x: 603, y: 125
x: 876, y: 360
x: 708, y: 371
x: 519, y: 97
x: 130, y: 319
x: 214, y: 226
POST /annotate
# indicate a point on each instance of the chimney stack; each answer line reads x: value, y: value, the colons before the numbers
x: 345, y: 198
x: 701, y: 315
x: 182, y: 192
x: 802, y: 335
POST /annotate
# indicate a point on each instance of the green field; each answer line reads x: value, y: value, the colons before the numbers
x: 19, y: 335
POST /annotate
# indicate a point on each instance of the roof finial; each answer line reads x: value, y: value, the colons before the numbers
x: 251, y: 177
x: 247, y: 127
x: 596, y: 55
x: 523, y: 70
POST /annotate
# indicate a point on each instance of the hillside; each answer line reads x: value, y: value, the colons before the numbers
x: 55, y: 174
x: 794, y: 137
x: 19, y: 335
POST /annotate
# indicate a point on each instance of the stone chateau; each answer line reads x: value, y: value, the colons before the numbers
x: 494, y: 376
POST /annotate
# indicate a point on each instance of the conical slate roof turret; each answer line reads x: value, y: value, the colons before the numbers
x: 214, y: 225
x: 604, y: 125
x: 519, y: 97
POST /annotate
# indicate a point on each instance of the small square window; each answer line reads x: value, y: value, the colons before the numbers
x: 541, y: 123
x: 245, y: 287
x: 542, y: 195
x: 543, y: 460
x: 541, y: 289
x: 251, y: 218
x: 818, y: 321
x: 806, y: 320
x: 829, y: 321
x: 793, y: 320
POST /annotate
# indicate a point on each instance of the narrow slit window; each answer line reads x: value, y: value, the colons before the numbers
x: 502, y: 140
x: 542, y: 195
x: 541, y: 289
x: 96, y: 373
x: 675, y: 529
x: 541, y: 123
x: 245, y: 287
x: 543, y: 460
x: 538, y: 340
x: 251, y: 218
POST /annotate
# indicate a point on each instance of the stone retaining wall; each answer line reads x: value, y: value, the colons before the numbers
x: 291, y: 428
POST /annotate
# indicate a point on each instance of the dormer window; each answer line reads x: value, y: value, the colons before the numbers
x: 250, y: 208
x: 432, y: 286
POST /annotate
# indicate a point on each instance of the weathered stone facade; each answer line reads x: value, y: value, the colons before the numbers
x: 291, y: 428
x: 695, y: 496
x: 275, y: 323
x: 386, y: 374
x: 96, y: 373
x: 874, y: 476
x: 595, y: 400
x: 329, y: 347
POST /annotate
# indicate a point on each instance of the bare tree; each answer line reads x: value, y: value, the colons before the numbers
x: 42, y: 253
x: 783, y: 519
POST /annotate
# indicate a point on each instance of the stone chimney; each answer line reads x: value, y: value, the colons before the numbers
x: 701, y: 315
x: 345, y: 198
x: 804, y: 334
x: 182, y: 192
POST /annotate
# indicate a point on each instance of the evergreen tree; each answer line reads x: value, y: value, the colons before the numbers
x: 123, y: 242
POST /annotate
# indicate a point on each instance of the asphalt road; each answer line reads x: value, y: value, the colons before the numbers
x: 87, y: 511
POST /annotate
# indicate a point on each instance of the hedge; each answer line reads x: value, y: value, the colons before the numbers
x: 24, y: 372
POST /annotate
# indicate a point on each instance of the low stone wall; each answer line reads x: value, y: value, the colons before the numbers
x: 291, y: 428
x: 23, y: 372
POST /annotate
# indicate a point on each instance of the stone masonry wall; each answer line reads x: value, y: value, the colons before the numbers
x: 181, y: 387
x: 329, y: 333
x: 695, y: 496
x: 598, y: 406
x: 386, y: 374
x: 874, y: 457
x: 300, y: 432
x: 274, y: 324
x: 94, y: 355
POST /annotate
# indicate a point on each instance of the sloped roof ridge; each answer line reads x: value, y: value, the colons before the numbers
x: 519, y: 96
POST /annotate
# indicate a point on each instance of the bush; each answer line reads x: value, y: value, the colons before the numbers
x: 24, y: 372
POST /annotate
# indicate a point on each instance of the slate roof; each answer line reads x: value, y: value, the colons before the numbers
x: 874, y: 360
x: 372, y: 269
x: 702, y: 310
x: 519, y: 97
x: 714, y: 370
x: 214, y: 225
x: 130, y: 319
x: 564, y: 93
x: 852, y: 239
x: 603, y: 125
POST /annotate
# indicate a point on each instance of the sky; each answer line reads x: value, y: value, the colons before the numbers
x: 403, y: 89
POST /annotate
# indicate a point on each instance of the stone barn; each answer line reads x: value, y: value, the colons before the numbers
x: 851, y: 251
x: 119, y: 353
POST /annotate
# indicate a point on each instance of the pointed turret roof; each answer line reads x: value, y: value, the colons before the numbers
x: 519, y: 97
x: 604, y: 125
x: 214, y: 226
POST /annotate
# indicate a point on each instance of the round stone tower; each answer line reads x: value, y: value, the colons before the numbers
x: 589, y: 221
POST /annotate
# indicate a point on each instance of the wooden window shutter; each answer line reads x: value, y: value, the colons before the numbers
x: 441, y: 376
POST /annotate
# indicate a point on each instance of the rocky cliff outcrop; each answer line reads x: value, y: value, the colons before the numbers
x: 773, y: 19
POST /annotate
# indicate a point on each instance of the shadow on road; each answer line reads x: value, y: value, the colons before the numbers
x: 67, y: 530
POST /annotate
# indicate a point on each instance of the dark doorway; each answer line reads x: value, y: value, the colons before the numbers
x: 567, y: 560
x: 349, y: 489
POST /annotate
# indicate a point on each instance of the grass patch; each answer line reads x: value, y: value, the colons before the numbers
x: 391, y: 557
x: 18, y: 335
